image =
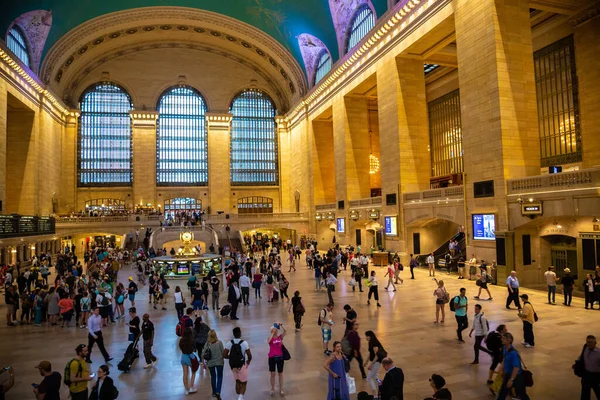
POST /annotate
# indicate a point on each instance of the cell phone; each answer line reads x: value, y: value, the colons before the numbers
x: 276, y: 325
x: 93, y: 375
x: 35, y: 385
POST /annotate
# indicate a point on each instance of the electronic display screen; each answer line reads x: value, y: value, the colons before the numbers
x: 391, y: 225
x: 341, y: 225
x: 484, y: 227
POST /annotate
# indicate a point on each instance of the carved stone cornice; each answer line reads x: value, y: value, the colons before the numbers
x: 585, y: 15
x: 218, y: 121
x: 143, y: 119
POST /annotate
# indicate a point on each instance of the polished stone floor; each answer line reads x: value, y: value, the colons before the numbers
x: 404, y: 325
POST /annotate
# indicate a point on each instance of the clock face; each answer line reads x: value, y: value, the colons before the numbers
x: 186, y: 236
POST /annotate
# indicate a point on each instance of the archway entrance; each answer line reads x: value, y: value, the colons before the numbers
x: 563, y: 253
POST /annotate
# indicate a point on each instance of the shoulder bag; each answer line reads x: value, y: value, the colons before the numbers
x: 527, y: 374
x: 579, y: 366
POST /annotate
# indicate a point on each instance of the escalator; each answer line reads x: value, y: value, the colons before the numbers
x: 441, y: 251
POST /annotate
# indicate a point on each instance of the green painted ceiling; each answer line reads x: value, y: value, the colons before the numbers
x: 284, y: 20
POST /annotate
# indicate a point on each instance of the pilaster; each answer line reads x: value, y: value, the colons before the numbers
x: 68, y: 189
x: 285, y: 166
x: 144, y: 156
x: 219, y: 126
x: 3, y: 138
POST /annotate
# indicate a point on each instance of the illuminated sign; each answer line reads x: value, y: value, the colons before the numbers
x: 341, y: 225
x: 374, y: 214
x: 391, y: 225
x: 318, y: 217
x: 531, y: 209
x: 484, y: 227
x: 354, y: 215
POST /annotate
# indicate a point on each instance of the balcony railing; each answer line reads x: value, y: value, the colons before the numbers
x: 451, y: 192
x: 155, y: 219
x: 587, y: 178
x: 15, y: 225
x: 368, y: 202
x: 325, y: 207
x: 221, y: 218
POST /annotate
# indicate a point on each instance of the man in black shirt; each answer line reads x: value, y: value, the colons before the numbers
x: 148, y: 336
x: 49, y: 388
x: 350, y: 318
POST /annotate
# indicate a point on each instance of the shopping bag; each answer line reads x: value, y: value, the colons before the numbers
x: 351, y: 384
x: 352, y: 282
x: 495, y: 387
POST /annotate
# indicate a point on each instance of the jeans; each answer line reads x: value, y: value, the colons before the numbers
x: 179, y: 308
x: 372, y: 376
x: 257, y: 289
x: 552, y: 292
x: 412, y: 274
x: 318, y: 283
x: 148, y: 351
x: 568, y: 293
x: 330, y: 288
x: 245, y: 295
x: 477, y: 346
x: 359, y: 282
x: 38, y: 315
x: 463, y: 323
x: 528, y: 333
x: 359, y: 359
x: 518, y: 384
x: 216, y: 378
x: 589, y: 382
x: 215, y: 300
x: 298, y: 320
x: 514, y: 296
x: 589, y: 300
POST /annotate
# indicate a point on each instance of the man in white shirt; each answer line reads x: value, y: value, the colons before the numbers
x: 364, y: 263
x: 239, y: 367
x: 326, y: 322
x: 431, y: 264
x: 245, y: 287
x: 551, y: 280
x: 480, y: 327
x: 94, y: 326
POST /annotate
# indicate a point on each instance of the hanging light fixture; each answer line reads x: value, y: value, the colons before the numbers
x: 373, y: 160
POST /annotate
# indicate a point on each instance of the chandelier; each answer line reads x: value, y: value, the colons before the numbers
x: 373, y: 164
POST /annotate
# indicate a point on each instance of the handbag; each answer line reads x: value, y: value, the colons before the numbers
x: 527, y: 374
x: 352, y: 282
x: 579, y: 366
x: 300, y: 309
x: 207, y: 354
x: 286, y: 354
x: 195, y: 362
x: 351, y: 384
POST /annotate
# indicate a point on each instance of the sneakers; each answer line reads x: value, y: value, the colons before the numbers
x: 527, y: 345
x: 154, y: 362
x: 192, y: 390
x: 327, y: 352
x: 147, y: 366
x: 523, y: 343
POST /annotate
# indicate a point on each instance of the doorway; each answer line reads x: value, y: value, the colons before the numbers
x: 563, y: 253
x: 358, y: 237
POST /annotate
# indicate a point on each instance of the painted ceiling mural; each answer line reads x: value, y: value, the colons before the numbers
x: 284, y: 20
x: 311, y: 48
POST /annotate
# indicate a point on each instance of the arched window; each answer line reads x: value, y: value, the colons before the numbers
x: 255, y: 205
x: 362, y: 23
x: 254, y: 159
x: 181, y: 139
x: 323, y: 66
x: 178, y: 204
x: 106, y: 205
x: 104, y: 153
x: 17, y: 44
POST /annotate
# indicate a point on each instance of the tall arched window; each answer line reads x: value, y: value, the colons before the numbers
x: 181, y: 139
x: 104, y: 153
x: 323, y: 66
x: 254, y: 159
x: 361, y: 24
x: 17, y: 44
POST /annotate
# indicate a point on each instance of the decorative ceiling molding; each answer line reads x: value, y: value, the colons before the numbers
x: 36, y: 26
x: 184, y: 19
x: 72, y: 85
x: 342, y: 12
x: 311, y: 48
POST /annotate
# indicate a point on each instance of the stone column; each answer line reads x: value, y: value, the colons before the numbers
x: 498, y: 104
x: 144, y: 156
x: 3, y: 137
x: 219, y: 178
x: 286, y: 195
x: 403, y: 135
x: 68, y: 174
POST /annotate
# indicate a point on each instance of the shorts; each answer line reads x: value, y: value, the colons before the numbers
x: 439, y: 301
x: 186, y: 360
x: 131, y: 297
x: 240, y: 374
x: 197, y: 304
x: 326, y: 333
x: 483, y: 285
x: 276, y: 361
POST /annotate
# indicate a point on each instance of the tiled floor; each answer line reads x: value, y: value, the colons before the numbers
x: 404, y: 324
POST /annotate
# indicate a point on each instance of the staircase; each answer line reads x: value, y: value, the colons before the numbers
x: 441, y: 251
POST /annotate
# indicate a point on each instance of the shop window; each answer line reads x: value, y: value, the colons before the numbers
x: 15, y: 40
x: 255, y: 205
x: 105, y: 206
x: 445, y: 135
x: 104, y: 154
x: 591, y: 253
x: 181, y: 139
x: 558, y: 103
x: 361, y: 24
x: 254, y: 150
x: 178, y: 204
x: 323, y: 66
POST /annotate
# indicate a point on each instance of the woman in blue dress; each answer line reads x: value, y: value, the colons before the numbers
x: 338, y: 386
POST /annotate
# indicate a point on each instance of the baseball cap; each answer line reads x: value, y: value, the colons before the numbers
x: 44, y: 365
x: 130, y: 278
x: 524, y: 296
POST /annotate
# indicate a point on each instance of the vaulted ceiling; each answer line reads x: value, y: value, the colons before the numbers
x: 283, y: 20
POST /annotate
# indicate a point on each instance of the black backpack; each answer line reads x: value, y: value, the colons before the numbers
x: 453, y: 304
x: 493, y: 341
x: 236, y: 356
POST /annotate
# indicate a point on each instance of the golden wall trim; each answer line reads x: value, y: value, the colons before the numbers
x: 218, y: 121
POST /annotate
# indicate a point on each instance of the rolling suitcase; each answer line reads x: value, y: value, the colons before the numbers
x: 129, y: 357
x: 226, y: 310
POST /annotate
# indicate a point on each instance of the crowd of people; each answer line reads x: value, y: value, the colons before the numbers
x: 91, y: 295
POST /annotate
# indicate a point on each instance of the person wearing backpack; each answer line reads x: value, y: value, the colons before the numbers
x: 77, y: 374
x: 529, y: 317
x: 483, y: 281
x: 237, y: 351
x: 461, y: 305
x: 212, y: 354
x: 325, y: 321
x: 481, y: 327
x: 512, y: 370
x: 493, y: 342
